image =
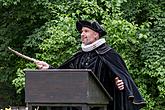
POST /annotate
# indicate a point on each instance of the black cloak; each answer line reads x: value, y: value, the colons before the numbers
x: 106, y: 65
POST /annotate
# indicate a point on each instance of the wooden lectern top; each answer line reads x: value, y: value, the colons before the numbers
x: 64, y: 86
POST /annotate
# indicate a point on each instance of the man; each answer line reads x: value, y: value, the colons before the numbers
x: 106, y: 64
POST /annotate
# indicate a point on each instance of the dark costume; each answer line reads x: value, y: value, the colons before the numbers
x: 107, y: 64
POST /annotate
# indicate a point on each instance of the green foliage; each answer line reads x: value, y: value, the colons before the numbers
x: 9, y: 2
x: 58, y: 41
x: 152, y: 49
x: 154, y: 60
x: 16, y: 23
x: 19, y: 81
x: 45, y: 30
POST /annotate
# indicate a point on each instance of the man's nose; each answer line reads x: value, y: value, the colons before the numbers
x: 82, y: 34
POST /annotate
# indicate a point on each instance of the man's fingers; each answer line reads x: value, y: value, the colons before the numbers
x: 117, y: 78
x: 119, y: 83
x: 42, y: 65
x: 44, y: 68
x: 121, y: 88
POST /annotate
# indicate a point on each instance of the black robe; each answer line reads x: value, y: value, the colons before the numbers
x: 106, y: 65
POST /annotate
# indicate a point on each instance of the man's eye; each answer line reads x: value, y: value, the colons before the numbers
x: 86, y: 31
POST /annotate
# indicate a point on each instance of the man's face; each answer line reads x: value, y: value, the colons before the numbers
x: 88, y: 36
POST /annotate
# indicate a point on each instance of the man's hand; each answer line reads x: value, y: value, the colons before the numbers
x: 42, y: 65
x: 119, y: 83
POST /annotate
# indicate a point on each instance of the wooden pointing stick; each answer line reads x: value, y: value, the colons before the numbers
x: 23, y: 56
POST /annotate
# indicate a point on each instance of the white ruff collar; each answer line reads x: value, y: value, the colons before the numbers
x: 90, y: 47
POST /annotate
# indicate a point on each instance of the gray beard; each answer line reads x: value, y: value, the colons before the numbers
x: 88, y: 42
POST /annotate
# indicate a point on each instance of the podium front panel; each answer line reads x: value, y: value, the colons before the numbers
x: 64, y: 86
x: 55, y: 87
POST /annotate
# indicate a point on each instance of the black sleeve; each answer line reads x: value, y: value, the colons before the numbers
x: 118, y: 67
x: 51, y: 67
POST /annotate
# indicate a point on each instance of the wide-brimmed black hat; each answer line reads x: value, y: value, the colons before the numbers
x: 94, y: 25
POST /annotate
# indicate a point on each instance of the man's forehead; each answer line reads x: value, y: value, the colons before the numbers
x: 86, y: 28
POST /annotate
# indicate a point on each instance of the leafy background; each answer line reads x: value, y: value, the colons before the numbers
x: 45, y: 30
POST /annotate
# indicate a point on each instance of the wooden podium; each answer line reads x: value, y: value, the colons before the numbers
x: 64, y: 89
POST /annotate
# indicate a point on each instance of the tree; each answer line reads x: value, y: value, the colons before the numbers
x: 45, y: 30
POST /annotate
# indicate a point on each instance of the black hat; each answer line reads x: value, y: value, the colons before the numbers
x: 94, y: 25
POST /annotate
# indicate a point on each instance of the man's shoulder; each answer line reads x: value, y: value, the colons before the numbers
x: 104, y: 49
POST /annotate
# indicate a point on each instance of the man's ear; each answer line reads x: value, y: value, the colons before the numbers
x: 96, y: 35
